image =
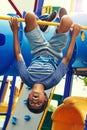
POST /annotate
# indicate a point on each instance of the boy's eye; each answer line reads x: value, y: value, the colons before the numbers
x: 38, y: 103
x: 30, y: 102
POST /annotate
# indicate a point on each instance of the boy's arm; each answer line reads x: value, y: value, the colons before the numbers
x: 15, y: 27
x: 75, y: 32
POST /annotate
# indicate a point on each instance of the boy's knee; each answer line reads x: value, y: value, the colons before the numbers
x: 65, y: 24
x: 66, y: 20
x: 30, y: 21
x: 30, y: 17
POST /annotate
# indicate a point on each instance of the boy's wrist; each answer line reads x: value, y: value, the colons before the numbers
x: 15, y: 32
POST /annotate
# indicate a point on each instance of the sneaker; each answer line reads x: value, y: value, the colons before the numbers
x: 49, y: 18
x: 62, y: 12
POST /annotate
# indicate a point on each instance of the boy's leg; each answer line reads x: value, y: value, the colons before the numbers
x: 59, y: 39
x: 52, y: 17
x: 65, y: 21
x: 33, y: 33
x: 30, y: 20
x: 65, y: 24
x: 62, y: 12
x: 48, y: 18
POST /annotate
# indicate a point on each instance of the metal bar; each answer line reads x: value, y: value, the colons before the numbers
x: 35, y: 5
x: 40, y: 22
x: 15, y: 8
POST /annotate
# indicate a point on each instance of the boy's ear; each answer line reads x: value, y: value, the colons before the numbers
x: 46, y: 98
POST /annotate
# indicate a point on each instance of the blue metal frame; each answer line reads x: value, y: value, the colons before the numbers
x: 39, y: 7
x: 69, y: 75
x: 85, y: 123
x: 68, y: 83
x: 10, y: 103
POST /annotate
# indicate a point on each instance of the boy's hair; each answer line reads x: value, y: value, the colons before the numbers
x: 37, y: 110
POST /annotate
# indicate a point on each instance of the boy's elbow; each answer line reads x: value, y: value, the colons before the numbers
x: 19, y: 57
x: 66, y: 60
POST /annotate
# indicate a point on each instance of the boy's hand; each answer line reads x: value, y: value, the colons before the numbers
x: 14, y: 24
x: 76, y: 30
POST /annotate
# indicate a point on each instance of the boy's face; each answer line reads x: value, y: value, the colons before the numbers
x: 36, y: 99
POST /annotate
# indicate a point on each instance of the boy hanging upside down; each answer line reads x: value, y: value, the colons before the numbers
x: 44, y: 71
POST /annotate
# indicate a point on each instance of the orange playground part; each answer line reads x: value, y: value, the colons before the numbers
x: 71, y: 114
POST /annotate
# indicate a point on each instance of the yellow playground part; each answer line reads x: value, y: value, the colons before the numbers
x: 39, y: 22
x: 49, y: 9
x: 71, y: 114
x: 3, y: 108
x: 46, y: 9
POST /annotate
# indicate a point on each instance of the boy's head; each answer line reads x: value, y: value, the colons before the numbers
x: 37, y: 100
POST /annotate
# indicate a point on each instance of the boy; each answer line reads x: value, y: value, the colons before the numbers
x: 44, y: 71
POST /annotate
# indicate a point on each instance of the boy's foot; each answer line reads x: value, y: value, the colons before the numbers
x: 62, y: 12
x: 49, y: 18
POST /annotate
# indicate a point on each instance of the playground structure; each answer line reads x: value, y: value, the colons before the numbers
x: 77, y: 65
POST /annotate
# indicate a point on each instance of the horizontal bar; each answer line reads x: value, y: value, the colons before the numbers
x: 40, y: 22
x: 9, y: 18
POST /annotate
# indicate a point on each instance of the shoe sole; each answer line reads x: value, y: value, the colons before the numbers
x: 51, y: 21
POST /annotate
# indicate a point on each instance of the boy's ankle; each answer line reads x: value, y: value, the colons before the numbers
x: 62, y: 12
x: 49, y: 18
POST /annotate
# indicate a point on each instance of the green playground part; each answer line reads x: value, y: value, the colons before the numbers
x: 56, y: 8
x: 47, y: 124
